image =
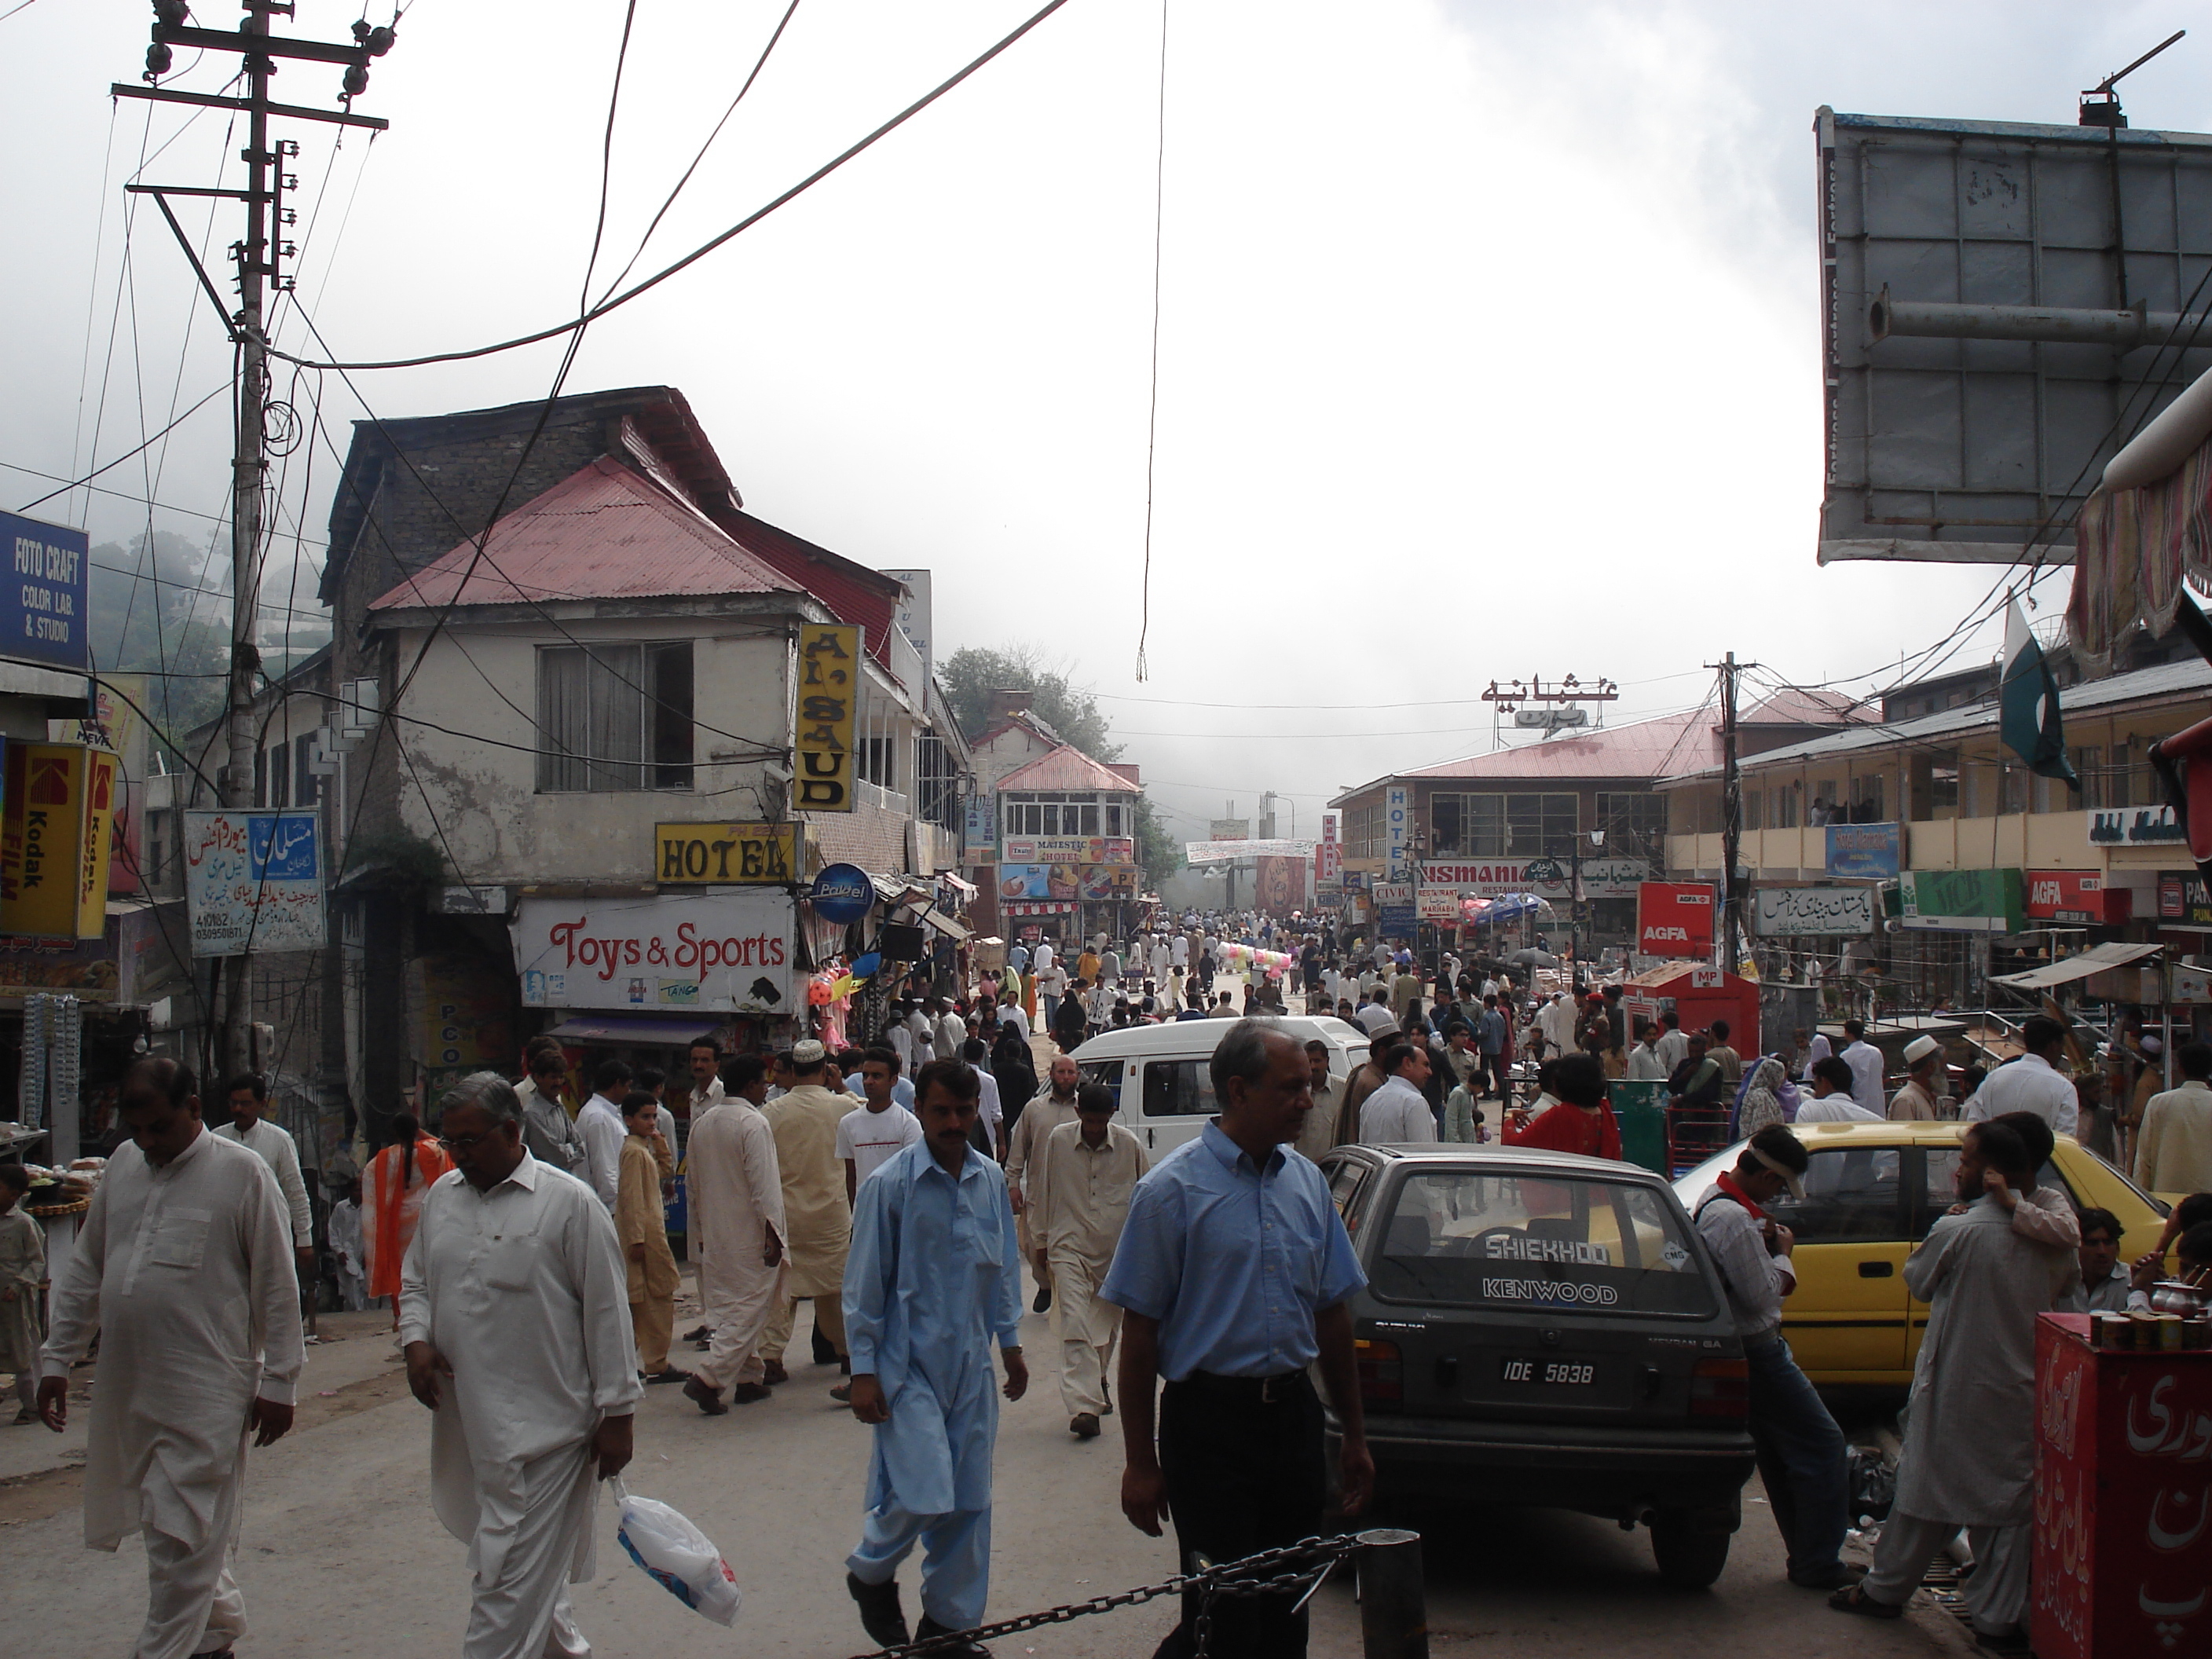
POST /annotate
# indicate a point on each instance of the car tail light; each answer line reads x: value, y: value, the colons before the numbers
x: 1381, y: 1373
x: 1721, y: 1388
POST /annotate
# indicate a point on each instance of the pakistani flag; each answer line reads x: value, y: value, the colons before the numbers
x: 2027, y: 703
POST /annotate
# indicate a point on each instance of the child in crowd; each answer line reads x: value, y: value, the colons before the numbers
x: 22, y: 1268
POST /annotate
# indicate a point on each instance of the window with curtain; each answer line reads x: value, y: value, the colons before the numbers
x: 613, y: 717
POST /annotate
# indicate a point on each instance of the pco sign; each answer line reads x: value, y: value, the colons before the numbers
x: 843, y: 893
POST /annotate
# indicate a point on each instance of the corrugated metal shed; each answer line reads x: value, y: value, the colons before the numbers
x: 1671, y: 743
x: 603, y: 532
x: 1067, y: 768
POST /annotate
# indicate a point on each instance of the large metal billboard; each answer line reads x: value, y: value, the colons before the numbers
x: 1998, y: 301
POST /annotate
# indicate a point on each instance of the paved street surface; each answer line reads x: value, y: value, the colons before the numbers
x: 341, y: 1557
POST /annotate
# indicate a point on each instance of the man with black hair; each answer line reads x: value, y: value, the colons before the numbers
x: 1582, y: 1120
x: 2032, y: 1083
x: 2103, y: 1287
x: 1397, y: 1114
x: 1801, y: 1450
x: 1866, y: 1066
x: 1833, y: 1100
x: 547, y: 1129
x: 599, y: 1127
x: 1969, y: 1456
x: 2174, y: 1148
x: 735, y: 1186
x: 251, y: 1128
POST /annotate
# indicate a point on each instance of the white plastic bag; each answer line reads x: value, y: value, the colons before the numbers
x: 677, y: 1556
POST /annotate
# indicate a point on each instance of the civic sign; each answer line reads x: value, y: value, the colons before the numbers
x: 1550, y: 878
x: 843, y: 893
x: 1962, y: 901
x: 722, y: 854
x: 1865, y: 851
x: 253, y: 881
x: 724, y: 952
x: 1674, y: 919
x: 2076, y: 896
x: 1791, y: 912
x: 829, y: 704
x: 43, y: 597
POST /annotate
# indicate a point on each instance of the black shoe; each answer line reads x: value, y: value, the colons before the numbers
x: 845, y: 1367
x: 1084, y: 1426
x: 826, y: 1352
x: 1043, y: 1300
x: 709, y: 1401
x: 881, y: 1616
x: 704, y: 1334
x: 929, y: 1628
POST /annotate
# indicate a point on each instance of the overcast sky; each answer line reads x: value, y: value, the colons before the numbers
x: 1488, y: 343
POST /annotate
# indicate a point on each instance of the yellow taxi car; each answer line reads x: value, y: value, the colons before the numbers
x: 1871, y: 1194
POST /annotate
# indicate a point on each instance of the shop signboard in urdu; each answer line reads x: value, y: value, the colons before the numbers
x: 830, y: 676
x: 1799, y: 911
x: 726, y: 952
x: 1674, y: 919
x: 980, y: 831
x: 725, y: 855
x: 42, y: 825
x: 1437, y: 905
x: 1865, y: 852
x: 2076, y: 896
x: 1962, y: 901
x: 253, y: 881
x: 43, y: 614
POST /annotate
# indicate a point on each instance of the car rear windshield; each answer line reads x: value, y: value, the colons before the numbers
x: 1467, y: 1238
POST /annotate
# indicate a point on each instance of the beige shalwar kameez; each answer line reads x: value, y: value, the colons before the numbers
x: 1079, y: 1199
x: 804, y: 1122
x: 185, y: 1273
x: 736, y: 1195
x: 522, y: 1290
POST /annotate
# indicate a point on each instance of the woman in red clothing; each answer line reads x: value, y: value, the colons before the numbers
x: 1582, y: 1122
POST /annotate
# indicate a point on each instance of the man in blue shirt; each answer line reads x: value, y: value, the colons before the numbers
x: 933, y: 1275
x: 1234, y: 1273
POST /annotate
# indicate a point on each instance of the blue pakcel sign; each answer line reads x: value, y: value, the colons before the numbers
x: 843, y: 893
x: 45, y: 576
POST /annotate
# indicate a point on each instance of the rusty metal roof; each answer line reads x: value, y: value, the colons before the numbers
x: 604, y: 532
x: 1067, y: 767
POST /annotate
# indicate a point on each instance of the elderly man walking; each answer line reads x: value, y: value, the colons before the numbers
x: 514, y: 1317
x: 1235, y: 1274
x: 736, y: 1190
x: 932, y: 1283
x: 1086, y: 1173
x: 804, y: 1120
x: 183, y: 1269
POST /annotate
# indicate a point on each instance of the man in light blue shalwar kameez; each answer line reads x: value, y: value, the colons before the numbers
x: 932, y: 1277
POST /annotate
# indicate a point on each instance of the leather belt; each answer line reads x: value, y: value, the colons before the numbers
x: 1266, y: 1390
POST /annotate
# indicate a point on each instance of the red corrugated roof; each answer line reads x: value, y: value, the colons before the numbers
x: 853, y: 593
x: 603, y: 532
x: 1067, y: 768
x: 1645, y: 749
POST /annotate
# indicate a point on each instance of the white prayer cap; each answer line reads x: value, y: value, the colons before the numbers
x: 1919, y: 1048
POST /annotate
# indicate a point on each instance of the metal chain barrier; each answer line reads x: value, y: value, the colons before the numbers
x: 1230, y: 1578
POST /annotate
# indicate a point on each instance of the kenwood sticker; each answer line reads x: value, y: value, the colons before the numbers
x: 1556, y: 1292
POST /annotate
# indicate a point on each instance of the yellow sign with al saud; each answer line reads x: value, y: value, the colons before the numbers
x: 42, y: 834
x: 829, y: 677
x: 725, y: 855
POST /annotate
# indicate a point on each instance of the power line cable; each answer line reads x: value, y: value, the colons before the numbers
x: 104, y: 466
x: 1152, y: 394
x: 699, y: 252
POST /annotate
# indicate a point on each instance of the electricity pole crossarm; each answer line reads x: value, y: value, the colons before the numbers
x: 259, y: 256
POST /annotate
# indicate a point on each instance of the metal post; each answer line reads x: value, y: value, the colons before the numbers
x: 1393, y: 1612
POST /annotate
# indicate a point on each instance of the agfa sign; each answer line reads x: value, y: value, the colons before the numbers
x: 1674, y: 919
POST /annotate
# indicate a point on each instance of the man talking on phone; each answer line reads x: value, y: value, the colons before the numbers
x: 1801, y: 1450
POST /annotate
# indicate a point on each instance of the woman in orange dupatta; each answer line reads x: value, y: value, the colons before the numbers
x: 392, y: 1198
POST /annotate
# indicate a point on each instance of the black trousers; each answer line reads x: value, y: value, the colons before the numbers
x: 1241, y: 1475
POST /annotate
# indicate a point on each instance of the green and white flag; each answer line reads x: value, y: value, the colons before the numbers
x: 2027, y: 704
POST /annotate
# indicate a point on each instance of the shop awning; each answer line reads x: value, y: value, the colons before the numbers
x: 952, y: 930
x: 2095, y: 960
x: 965, y: 889
x: 1049, y: 907
x: 614, y: 1028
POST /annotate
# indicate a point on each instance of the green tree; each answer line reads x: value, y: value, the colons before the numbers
x: 973, y: 672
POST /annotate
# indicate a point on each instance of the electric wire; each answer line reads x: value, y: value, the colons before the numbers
x: 1152, y: 394
x: 636, y: 290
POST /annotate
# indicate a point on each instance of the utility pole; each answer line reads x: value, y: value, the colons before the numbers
x: 1731, y: 819
x: 259, y: 258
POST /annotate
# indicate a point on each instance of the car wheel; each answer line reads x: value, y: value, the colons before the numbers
x: 1690, y: 1553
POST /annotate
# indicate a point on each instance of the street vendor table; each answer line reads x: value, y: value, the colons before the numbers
x: 2123, y: 1498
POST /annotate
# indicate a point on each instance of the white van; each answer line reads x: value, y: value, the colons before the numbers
x: 1157, y: 1073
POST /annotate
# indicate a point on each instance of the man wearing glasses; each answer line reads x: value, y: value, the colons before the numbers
x: 547, y: 1129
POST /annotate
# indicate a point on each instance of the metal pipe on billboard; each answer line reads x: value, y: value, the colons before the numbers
x: 2122, y: 331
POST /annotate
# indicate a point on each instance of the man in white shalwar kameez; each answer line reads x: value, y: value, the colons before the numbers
x: 933, y: 1280
x: 184, y: 1268
x: 514, y: 1315
x: 736, y: 1194
x: 1969, y: 1456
